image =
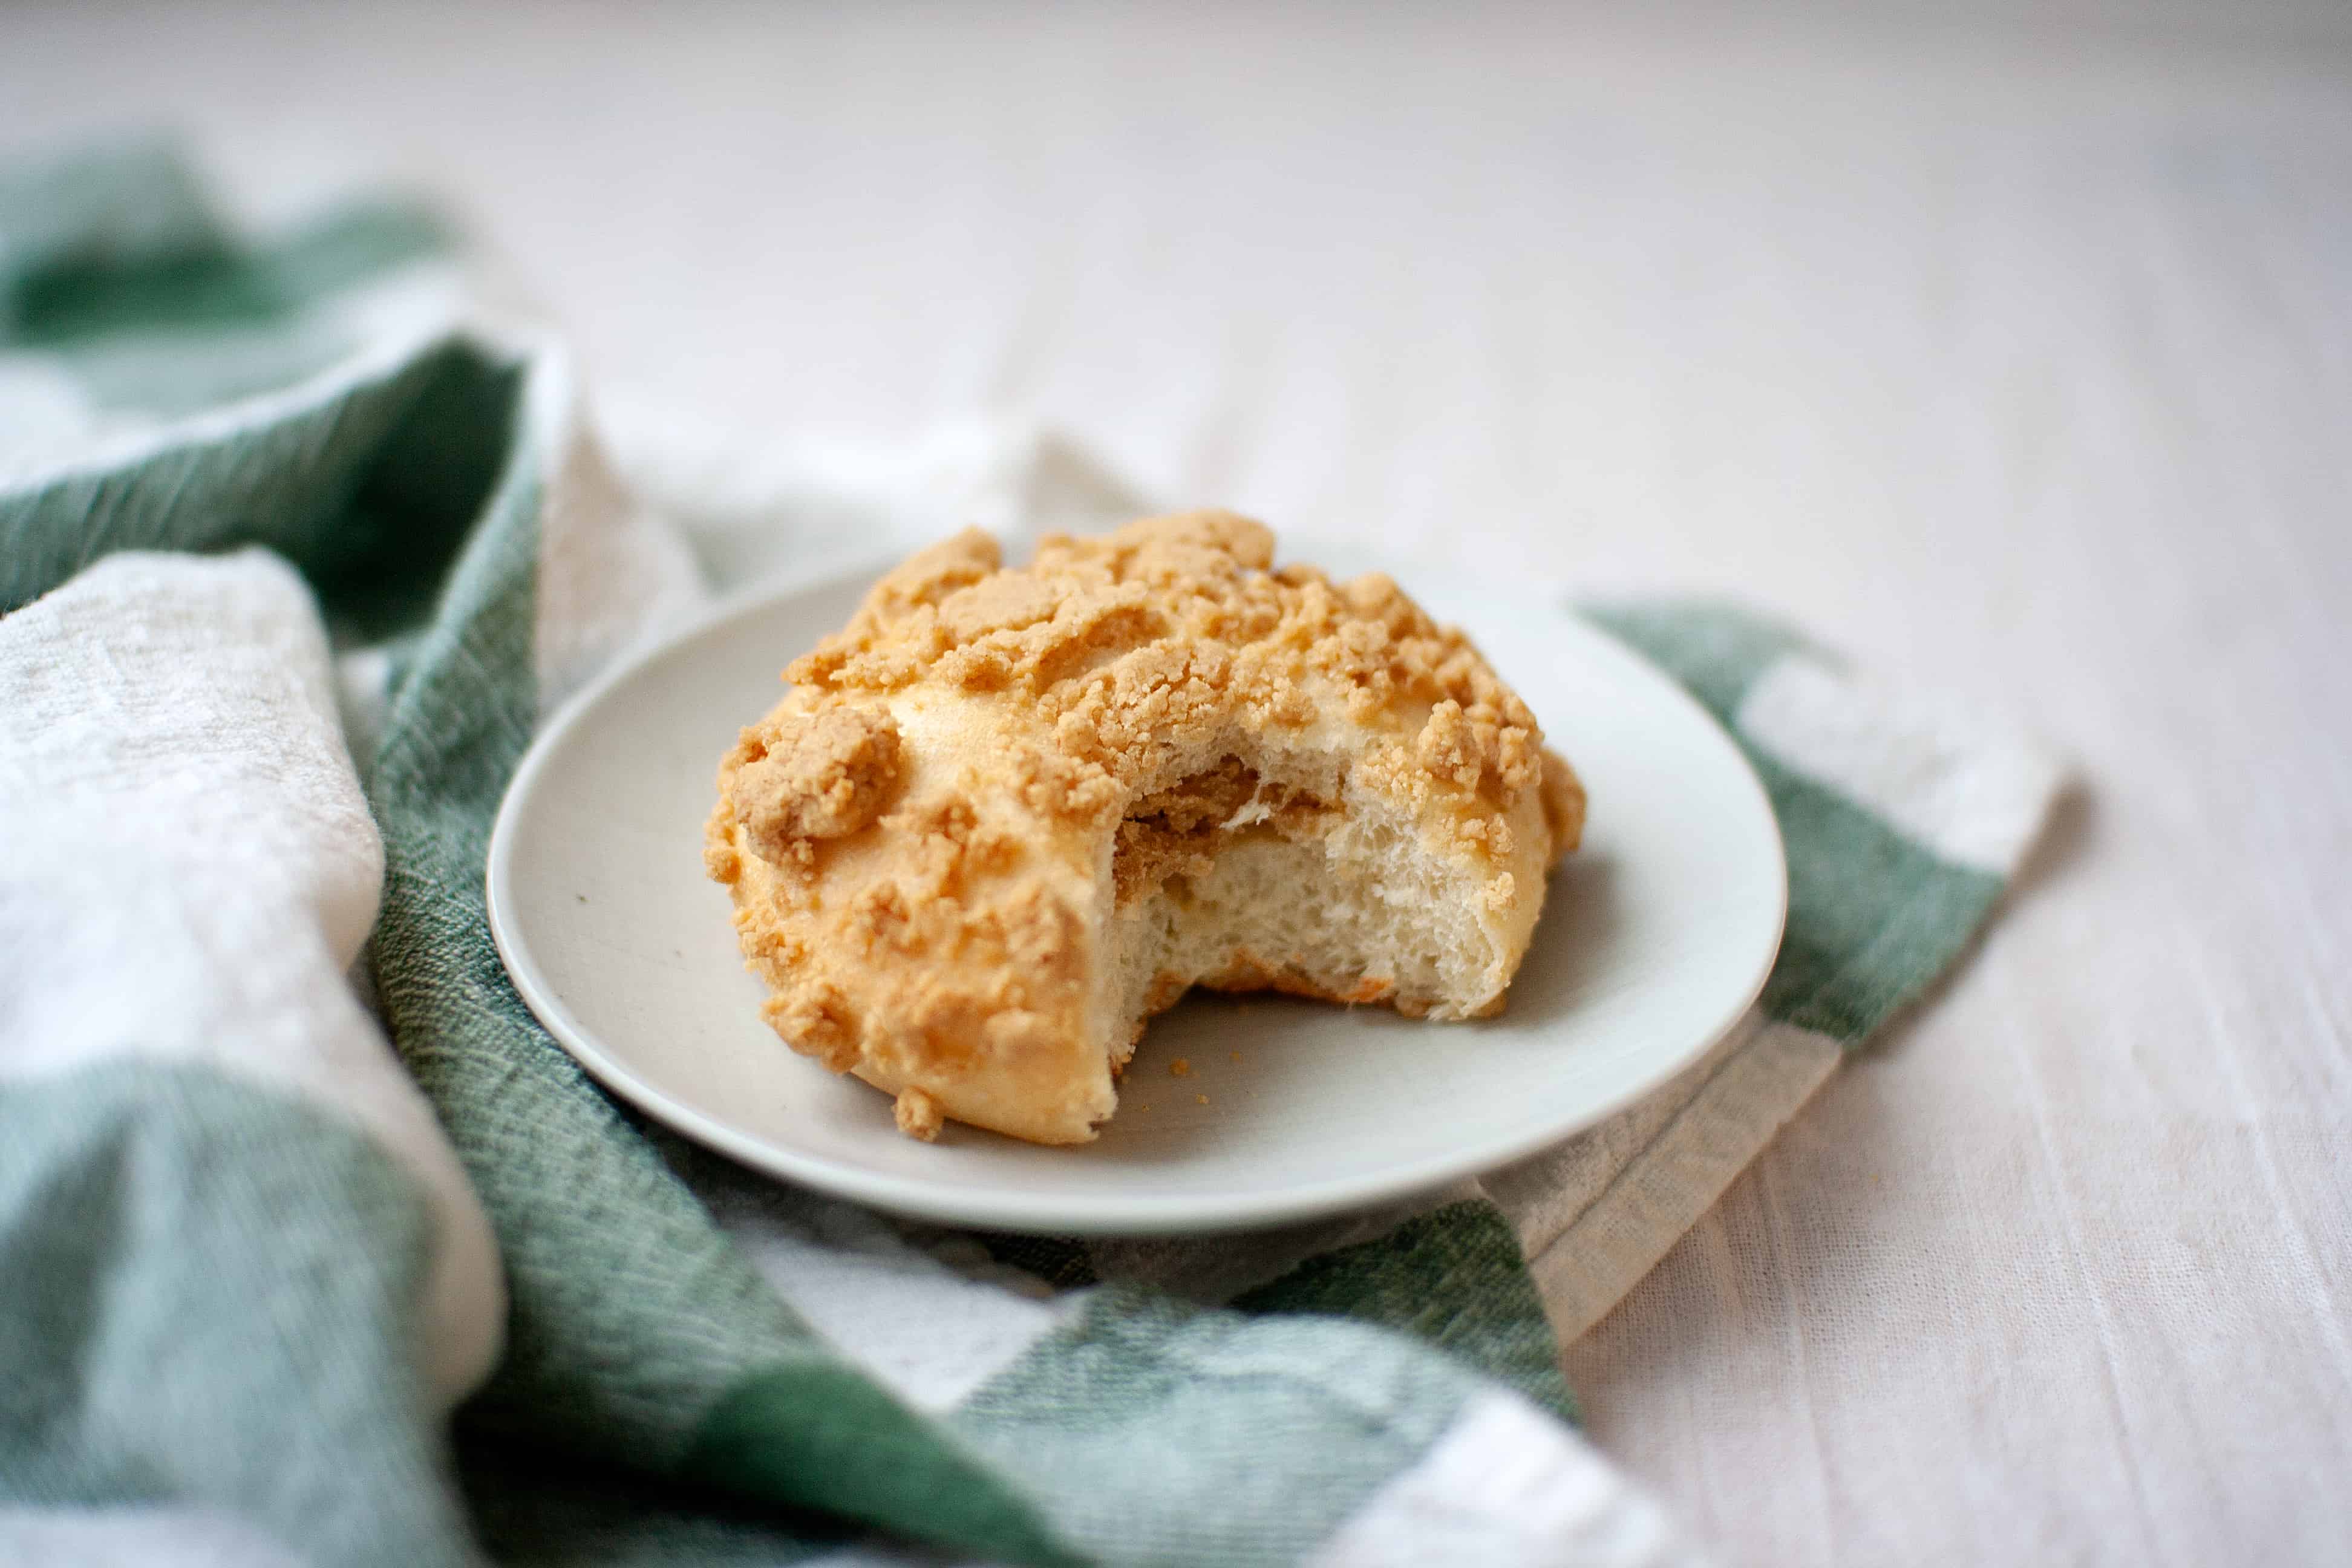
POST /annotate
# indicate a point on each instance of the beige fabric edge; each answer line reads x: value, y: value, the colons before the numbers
x: 1597, y: 1213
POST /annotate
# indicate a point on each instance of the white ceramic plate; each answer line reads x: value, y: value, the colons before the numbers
x: 1656, y: 937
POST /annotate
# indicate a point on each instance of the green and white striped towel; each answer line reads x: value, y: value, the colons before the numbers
x: 296, y: 545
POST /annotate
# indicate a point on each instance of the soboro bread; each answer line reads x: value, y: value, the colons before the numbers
x: 1005, y: 815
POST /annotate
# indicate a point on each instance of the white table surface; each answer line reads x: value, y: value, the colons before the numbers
x: 2016, y: 358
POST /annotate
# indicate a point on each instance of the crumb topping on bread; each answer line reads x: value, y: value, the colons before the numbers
x: 818, y: 776
x: 1126, y: 642
x: 930, y: 838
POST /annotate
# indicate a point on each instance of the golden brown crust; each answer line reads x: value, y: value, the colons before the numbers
x: 1562, y: 793
x: 1125, y: 642
x: 916, y: 838
x: 917, y: 1114
x: 820, y: 775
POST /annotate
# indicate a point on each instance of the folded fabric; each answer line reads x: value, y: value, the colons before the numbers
x: 244, y: 1274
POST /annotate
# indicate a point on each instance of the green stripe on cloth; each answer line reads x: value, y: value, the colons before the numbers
x: 114, y: 268
x: 120, y: 202
x: 1452, y: 1277
x: 175, y: 333
x: 321, y: 482
x: 410, y: 499
x: 207, y: 284
x: 785, y: 1434
x: 1716, y: 649
x: 1873, y: 917
x: 636, y: 1332
x: 185, y: 1313
x: 1177, y: 1434
x: 536, y: 1508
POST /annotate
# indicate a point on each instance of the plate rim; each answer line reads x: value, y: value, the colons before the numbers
x: 1193, y: 1214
